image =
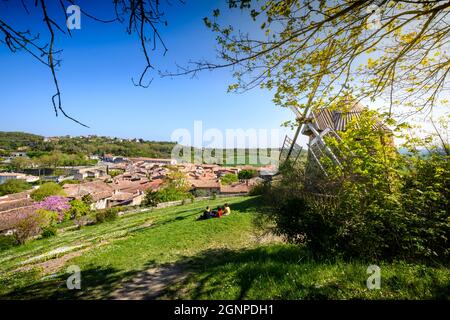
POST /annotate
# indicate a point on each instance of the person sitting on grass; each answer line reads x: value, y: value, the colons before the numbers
x: 207, y: 214
x: 226, y: 209
x: 219, y: 212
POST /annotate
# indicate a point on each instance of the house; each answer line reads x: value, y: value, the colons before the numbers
x: 108, y: 157
x: 114, y: 159
x: 267, y: 173
x: 82, y: 173
x: 4, y: 176
x: 221, y: 171
x: 235, y: 188
x: 13, y: 208
x: 18, y: 154
x: 134, y: 186
x: 121, y: 198
x: 155, y: 161
x: 99, y: 191
x: 204, y: 187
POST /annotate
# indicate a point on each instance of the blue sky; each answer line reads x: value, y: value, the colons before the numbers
x: 95, y: 78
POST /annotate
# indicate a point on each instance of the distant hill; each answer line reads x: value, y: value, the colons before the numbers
x: 11, y: 141
x: 36, y: 145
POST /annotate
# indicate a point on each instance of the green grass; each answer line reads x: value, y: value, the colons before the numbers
x: 221, y: 258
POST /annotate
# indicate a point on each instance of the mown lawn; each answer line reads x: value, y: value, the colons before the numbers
x: 221, y: 259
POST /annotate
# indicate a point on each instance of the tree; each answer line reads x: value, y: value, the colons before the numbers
x: 78, y: 208
x: 177, y: 180
x: 56, y: 204
x: 175, y: 188
x: 140, y: 17
x: 228, y: 178
x: 319, y: 51
x: 46, y: 190
x: 34, y: 224
x: 247, y: 174
x: 20, y: 163
x: 51, y: 160
x: 13, y: 186
x: 377, y: 204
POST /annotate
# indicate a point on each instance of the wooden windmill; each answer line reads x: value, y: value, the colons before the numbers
x: 307, y: 123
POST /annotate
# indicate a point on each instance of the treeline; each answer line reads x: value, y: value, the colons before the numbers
x: 69, y: 151
x: 37, y: 146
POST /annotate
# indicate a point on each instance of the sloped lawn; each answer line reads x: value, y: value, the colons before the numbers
x: 215, y: 259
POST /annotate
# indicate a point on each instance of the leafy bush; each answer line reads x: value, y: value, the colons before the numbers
x: 259, y: 189
x: 49, y: 231
x: 83, y: 221
x: 166, y: 194
x: 247, y: 174
x: 87, y: 198
x: 46, y: 190
x: 377, y: 205
x: 62, y: 183
x: 201, y: 193
x: 33, y: 225
x: 78, y: 208
x: 114, y: 172
x: 13, y: 186
x: 7, y: 242
x: 109, y: 214
x: 57, y: 204
x: 229, y: 178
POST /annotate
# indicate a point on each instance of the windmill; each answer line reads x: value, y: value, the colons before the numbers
x: 306, y: 122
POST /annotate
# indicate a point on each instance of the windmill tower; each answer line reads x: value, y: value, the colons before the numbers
x: 317, y: 147
x: 326, y: 122
x: 305, y: 122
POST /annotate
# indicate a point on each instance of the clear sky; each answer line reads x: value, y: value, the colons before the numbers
x: 95, y: 78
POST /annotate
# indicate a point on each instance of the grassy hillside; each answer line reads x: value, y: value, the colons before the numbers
x: 166, y: 253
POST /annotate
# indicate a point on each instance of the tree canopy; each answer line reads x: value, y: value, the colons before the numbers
x: 394, y: 50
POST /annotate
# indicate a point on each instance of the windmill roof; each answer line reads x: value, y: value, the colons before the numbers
x: 339, y: 118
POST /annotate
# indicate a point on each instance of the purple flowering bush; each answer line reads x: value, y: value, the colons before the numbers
x: 56, y: 204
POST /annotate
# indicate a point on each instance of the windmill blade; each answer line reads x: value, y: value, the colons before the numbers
x: 290, y: 149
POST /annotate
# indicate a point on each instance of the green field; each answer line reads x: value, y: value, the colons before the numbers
x: 167, y: 254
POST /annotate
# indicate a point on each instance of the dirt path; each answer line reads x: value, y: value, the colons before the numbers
x: 150, y: 284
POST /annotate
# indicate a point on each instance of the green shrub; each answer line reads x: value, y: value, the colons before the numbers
x: 34, y: 224
x: 84, y: 221
x: 166, y: 194
x: 46, y: 190
x: 109, y: 214
x: 246, y: 174
x: 7, y: 242
x: 229, y: 178
x: 201, y: 193
x: 377, y: 205
x: 259, y: 189
x: 62, y: 183
x: 78, y: 208
x: 87, y: 199
x: 115, y: 172
x: 49, y: 231
x: 13, y: 186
